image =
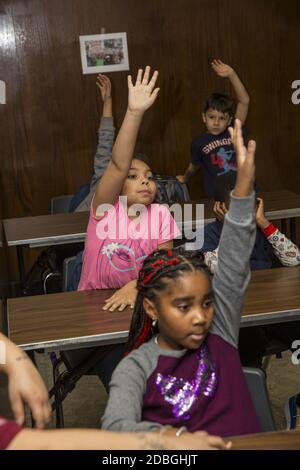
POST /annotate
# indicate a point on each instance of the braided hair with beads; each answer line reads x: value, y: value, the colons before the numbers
x: 157, y: 268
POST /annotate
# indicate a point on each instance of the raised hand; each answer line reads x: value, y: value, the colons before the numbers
x: 220, y: 210
x: 260, y: 217
x: 245, y: 158
x: 104, y: 86
x: 143, y: 94
x: 223, y: 70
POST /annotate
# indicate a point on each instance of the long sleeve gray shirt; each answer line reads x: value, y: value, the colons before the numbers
x: 132, y: 381
x: 106, y: 136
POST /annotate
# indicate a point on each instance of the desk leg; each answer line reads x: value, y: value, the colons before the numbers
x: 293, y: 230
x: 21, y: 267
x: 59, y: 409
x: 66, y: 381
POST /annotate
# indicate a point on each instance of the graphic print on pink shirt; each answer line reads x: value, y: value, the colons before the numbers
x: 110, y: 261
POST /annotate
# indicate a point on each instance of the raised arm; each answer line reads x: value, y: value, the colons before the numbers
x: 232, y: 275
x: 284, y: 249
x: 106, y: 132
x: 104, y: 86
x: 243, y: 99
x: 141, y: 96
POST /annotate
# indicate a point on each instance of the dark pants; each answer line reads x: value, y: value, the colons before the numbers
x: 254, y: 340
x: 103, y: 368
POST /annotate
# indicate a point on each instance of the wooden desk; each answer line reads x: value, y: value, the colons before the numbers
x: 45, y: 230
x: 54, y: 229
x: 66, y: 320
x: 279, y: 205
x: 76, y: 319
x: 273, y: 296
x: 59, y: 229
x: 280, y: 440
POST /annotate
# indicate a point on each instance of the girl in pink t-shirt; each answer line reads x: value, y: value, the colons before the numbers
x: 125, y: 225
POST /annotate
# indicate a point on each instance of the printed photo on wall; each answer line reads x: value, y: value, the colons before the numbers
x: 101, y: 53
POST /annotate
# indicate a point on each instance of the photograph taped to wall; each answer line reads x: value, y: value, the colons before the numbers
x: 101, y: 53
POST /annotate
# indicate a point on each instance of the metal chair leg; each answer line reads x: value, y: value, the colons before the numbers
x: 59, y: 412
x: 58, y: 396
x: 66, y: 381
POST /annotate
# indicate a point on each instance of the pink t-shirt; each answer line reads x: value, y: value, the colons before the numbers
x: 115, y: 246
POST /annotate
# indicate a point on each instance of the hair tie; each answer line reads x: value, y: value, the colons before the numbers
x: 156, y: 266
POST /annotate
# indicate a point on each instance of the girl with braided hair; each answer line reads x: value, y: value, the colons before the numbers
x: 183, y: 369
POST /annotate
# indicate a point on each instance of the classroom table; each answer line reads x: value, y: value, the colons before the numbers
x: 59, y: 229
x: 52, y: 229
x: 279, y: 440
x: 273, y: 296
x: 279, y: 205
x: 75, y: 319
x: 44, y: 230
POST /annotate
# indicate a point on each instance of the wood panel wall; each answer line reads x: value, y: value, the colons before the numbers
x: 48, y: 126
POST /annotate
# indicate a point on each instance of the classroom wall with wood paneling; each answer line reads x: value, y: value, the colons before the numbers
x: 49, y: 122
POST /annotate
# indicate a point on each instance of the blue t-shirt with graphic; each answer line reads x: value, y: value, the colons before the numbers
x: 216, y: 155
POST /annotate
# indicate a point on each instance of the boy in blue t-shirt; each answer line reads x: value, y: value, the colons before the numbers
x: 213, y: 150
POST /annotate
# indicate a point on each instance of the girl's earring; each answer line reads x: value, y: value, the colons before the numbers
x: 154, y: 321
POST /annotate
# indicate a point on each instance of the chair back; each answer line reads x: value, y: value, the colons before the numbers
x: 256, y: 381
x: 68, y: 266
x: 60, y: 204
